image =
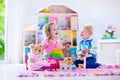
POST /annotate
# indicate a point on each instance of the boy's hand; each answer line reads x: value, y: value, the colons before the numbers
x: 82, y: 55
x: 86, y: 51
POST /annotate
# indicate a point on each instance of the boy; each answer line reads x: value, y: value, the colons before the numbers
x: 86, y: 48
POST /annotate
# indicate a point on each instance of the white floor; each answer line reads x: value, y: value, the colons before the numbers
x: 10, y: 72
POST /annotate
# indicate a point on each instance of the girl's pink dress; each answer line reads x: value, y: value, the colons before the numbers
x: 53, y: 51
x: 50, y: 46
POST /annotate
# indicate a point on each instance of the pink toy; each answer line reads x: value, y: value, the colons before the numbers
x: 36, y: 61
x: 51, y: 67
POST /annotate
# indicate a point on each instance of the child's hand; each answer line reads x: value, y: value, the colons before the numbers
x: 86, y: 51
x: 82, y: 55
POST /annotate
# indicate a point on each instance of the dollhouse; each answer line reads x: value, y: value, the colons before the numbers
x: 67, y: 22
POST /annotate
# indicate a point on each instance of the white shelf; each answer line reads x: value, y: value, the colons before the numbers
x: 109, y: 41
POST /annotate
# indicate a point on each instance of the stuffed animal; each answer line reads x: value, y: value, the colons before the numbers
x: 36, y: 53
x: 36, y: 60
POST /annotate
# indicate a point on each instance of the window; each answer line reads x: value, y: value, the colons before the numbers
x: 2, y: 29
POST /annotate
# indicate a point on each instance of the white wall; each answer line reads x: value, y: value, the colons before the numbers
x: 21, y: 14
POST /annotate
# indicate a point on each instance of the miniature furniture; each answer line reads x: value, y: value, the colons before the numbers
x: 83, y: 65
x: 66, y: 64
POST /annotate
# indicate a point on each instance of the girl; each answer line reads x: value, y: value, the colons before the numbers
x: 52, y: 45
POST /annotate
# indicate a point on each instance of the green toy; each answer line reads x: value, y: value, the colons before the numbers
x: 57, y: 53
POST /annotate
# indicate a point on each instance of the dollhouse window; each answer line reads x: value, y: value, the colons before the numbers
x: 2, y: 29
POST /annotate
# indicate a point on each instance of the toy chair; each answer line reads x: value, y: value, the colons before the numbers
x: 83, y: 65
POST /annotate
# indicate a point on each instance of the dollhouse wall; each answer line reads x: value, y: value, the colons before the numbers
x: 22, y: 13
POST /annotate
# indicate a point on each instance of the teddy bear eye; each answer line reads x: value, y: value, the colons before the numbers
x: 35, y: 49
x: 39, y: 50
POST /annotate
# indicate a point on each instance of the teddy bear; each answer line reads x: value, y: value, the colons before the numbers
x: 36, y: 53
x: 36, y: 60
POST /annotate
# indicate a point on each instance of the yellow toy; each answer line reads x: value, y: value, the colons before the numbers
x: 47, y: 10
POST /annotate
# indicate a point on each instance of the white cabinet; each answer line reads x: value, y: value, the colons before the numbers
x: 109, y: 51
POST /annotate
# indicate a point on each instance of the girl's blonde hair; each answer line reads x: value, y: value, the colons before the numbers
x: 47, y: 28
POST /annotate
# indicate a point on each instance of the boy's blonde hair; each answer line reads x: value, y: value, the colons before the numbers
x: 89, y: 28
x: 46, y: 29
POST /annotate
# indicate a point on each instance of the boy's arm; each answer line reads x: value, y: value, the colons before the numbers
x: 94, y: 47
x: 78, y: 51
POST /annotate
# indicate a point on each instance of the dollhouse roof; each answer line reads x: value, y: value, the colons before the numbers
x: 57, y: 9
x: 31, y: 28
